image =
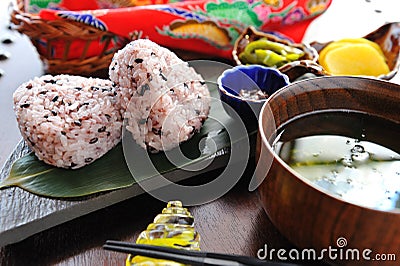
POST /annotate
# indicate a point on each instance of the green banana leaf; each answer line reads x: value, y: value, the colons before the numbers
x: 110, y: 172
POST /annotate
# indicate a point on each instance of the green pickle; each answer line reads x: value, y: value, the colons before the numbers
x: 174, y: 227
x: 270, y: 58
x: 269, y: 53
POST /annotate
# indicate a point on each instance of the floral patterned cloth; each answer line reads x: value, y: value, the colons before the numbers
x: 203, y: 26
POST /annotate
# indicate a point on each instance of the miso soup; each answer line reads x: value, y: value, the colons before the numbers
x: 349, y: 154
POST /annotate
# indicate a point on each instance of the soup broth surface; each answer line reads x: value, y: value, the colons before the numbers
x: 352, y: 155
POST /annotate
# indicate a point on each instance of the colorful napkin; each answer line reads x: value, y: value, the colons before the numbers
x: 203, y: 26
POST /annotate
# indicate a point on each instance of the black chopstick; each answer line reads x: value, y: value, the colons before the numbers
x: 187, y: 256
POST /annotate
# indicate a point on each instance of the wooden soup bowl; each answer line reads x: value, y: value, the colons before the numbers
x: 307, y: 215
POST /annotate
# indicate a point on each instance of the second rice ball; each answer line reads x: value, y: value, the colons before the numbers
x: 165, y: 101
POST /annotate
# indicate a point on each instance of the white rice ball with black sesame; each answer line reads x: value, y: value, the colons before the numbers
x: 68, y: 121
x: 168, y: 100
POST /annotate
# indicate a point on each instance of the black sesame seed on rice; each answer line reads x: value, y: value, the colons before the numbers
x: 31, y: 142
x: 29, y: 86
x: 138, y: 60
x: 157, y: 131
x: 54, y: 113
x: 142, y: 121
x: 145, y: 87
x: 150, y: 149
x: 102, y: 129
x: 78, y: 123
x: 25, y: 105
x: 162, y: 75
x: 63, y: 133
x: 93, y: 140
x: 55, y: 98
x: 51, y: 81
x: 194, y: 130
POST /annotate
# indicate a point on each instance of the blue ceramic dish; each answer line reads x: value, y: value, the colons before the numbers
x: 248, y: 78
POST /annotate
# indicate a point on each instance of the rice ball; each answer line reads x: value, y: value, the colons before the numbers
x: 68, y: 121
x: 164, y: 100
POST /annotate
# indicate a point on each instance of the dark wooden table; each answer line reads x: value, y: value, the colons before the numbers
x: 235, y: 223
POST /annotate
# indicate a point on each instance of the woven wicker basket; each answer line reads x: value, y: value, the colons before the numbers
x: 67, y: 36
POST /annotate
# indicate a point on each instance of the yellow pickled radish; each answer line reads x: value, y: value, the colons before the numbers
x: 328, y: 48
x: 348, y: 41
x: 362, y: 40
x: 173, y: 227
x: 355, y: 59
